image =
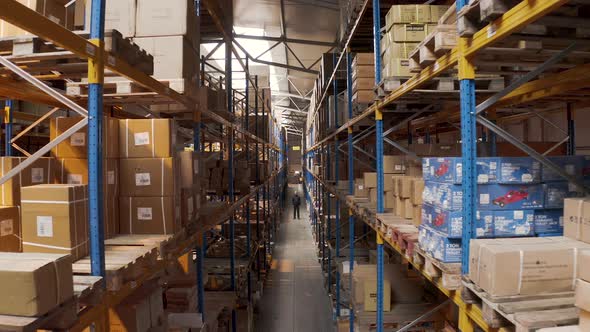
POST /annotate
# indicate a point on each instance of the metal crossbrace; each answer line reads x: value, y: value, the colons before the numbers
x: 357, y: 240
x: 524, y: 79
x: 424, y: 316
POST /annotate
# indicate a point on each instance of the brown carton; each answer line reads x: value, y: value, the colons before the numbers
x: 416, y: 191
x: 584, y: 265
x: 408, y: 209
x: 42, y: 171
x: 147, y: 215
x: 411, y: 32
x: 584, y: 321
x: 364, y: 59
x: 33, y: 284
x: 373, y: 195
x: 389, y: 200
x: 576, y: 218
x: 387, y: 182
x: 189, y: 168
x: 55, y: 219
x: 400, y: 50
x: 76, y: 146
x: 394, y: 164
x: 144, y: 177
x: 583, y: 295
x: 363, y: 71
x: 404, y: 186
x: 370, y: 292
x: 146, y: 138
x: 359, y: 188
x: 370, y: 180
x: 10, y: 234
x: 417, y: 215
x: 187, y: 206
x: 407, y: 14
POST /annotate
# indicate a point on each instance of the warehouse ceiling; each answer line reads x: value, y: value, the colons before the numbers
x: 308, y: 28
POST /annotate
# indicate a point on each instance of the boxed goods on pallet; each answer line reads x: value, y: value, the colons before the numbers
x: 54, y: 10
x: 363, y: 78
x: 10, y: 229
x: 146, y: 138
x: 42, y: 171
x: 439, y: 246
x: 32, y: 284
x: 119, y: 15
x: 360, y: 190
x: 55, y: 219
x: 582, y: 299
x: 526, y: 266
x: 576, y: 218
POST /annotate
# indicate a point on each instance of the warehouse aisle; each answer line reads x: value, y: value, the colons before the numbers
x: 294, y: 298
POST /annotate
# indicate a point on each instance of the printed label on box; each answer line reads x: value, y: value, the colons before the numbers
x: 78, y: 139
x: 74, y: 178
x: 518, y: 215
x: 484, y: 199
x: 111, y: 177
x: 144, y: 213
x: 483, y: 178
x: 6, y: 227
x: 37, y: 175
x: 142, y: 138
x: 361, y: 187
x: 142, y: 179
x: 44, y: 226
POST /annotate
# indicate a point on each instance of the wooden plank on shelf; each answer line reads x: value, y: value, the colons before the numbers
x: 61, y: 317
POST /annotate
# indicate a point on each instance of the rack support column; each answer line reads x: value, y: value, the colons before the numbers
x: 95, y: 113
x: 248, y: 222
x: 230, y: 108
x: 350, y: 182
x: 8, y: 127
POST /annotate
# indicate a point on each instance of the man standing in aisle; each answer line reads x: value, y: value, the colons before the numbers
x: 296, y: 200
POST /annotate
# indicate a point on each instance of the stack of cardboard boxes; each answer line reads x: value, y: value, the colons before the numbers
x: 406, y: 26
x: 363, y: 78
x: 583, y: 290
x: 217, y: 176
x: 516, y: 197
x: 406, y: 197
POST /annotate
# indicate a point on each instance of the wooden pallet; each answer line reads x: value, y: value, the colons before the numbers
x: 124, y: 264
x: 443, y: 85
x: 163, y: 243
x: 120, y: 86
x: 440, y: 41
x: 478, y: 12
x: 61, y: 317
x: 524, y: 312
x: 448, y: 273
x: 88, y: 289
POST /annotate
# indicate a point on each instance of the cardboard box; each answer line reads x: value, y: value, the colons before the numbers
x: 189, y: 169
x: 42, y: 171
x: 148, y: 215
x: 407, y: 14
x: 404, y: 186
x: 366, y: 59
x: 119, y: 15
x: 449, y: 169
x: 363, y: 96
x: 400, y: 50
x: 145, y: 177
x: 518, y: 170
x: 408, y: 209
x: 363, y: 71
x: 583, y: 295
x: 146, y: 138
x: 576, y: 218
x: 548, y: 222
x: 363, y: 83
x: 556, y: 192
x: 410, y: 32
x: 174, y: 58
x: 388, y: 182
x: 389, y: 200
x: 140, y: 311
x: 394, y: 164
x: 584, y: 321
x: 359, y: 188
x: 514, y: 223
x: 52, y: 9
x: 166, y: 18
x: 187, y: 206
x: 437, y: 11
x: 55, y: 219
x: 33, y: 284
x: 510, y: 196
x: 373, y: 195
x: 370, y: 179
x: 445, y: 249
x: 584, y: 265
x: 445, y: 195
x: 370, y: 292
x: 10, y: 229
x: 416, y: 191
x: 76, y: 146
x: 417, y: 219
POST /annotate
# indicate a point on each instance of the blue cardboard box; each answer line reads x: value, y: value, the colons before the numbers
x: 449, y: 169
x: 549, y: 221
x: 572, y: 165
x: 445, y: 195
x: 518, y: 170
x: 514, y: 223
x: 510, y: 197
x: 439, y: 246
x: 450, y: 223
x: 556, y: 192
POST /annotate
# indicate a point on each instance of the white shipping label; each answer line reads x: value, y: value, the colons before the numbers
x: 78, y: 139
x: 518, y: 215
x: 483, y: 178
x: 142, y: 179
x: 37, y: 175
x: 6, y: 227
x: 142, y: 138
x: 75, y: 179
x: 361, y: 187
x: 111, y: 177
x: 484, y: 199
x: 44, y: 226
x: 144, y: 213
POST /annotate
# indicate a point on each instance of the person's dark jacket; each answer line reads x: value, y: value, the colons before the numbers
x: 296, y: 200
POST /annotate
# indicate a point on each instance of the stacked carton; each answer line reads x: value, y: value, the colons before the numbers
x: 217, y: 176
x: 583, y: 290
x: 71, y: 165
x: 41, y: 171
x: 363, y: 78
x: 405, y: 198
x: 55, y: 219
x: 150, y: 188
x: 168, y: 30
x: 406, y: 26
x: 516, y: 197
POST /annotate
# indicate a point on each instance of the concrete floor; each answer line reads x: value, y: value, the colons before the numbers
x: 294, y: 298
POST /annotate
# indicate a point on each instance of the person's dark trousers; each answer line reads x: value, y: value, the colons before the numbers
x: 296, y: 212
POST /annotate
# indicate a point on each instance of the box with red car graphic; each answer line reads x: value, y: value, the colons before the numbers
x: 450, y: 223
x: 510, y: 196
x: 449, y: 169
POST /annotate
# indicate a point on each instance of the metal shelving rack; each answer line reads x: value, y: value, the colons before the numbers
x: 526, y: 88
x: 273, y: 147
